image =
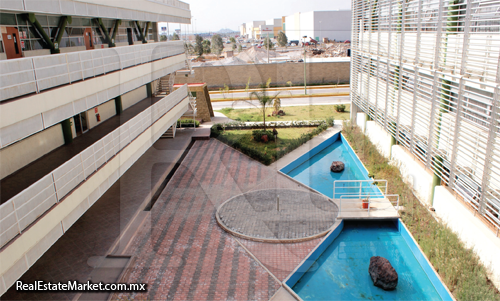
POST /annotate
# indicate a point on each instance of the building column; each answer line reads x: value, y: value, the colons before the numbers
x: 354, y: 113
x: 67, y: 132
x: 149, y: 89
x: 118, y: 105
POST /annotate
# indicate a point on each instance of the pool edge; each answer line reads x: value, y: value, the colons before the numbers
x: 307, y: 262
x: 424, y: 262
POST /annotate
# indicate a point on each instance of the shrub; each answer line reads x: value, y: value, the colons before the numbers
x: 330, y: 121
x: 259, y: 134
x: 187, y: 123
x: 339, y: 108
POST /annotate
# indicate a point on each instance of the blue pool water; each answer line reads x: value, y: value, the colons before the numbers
x: 315, y: 172
x: 341, y: 271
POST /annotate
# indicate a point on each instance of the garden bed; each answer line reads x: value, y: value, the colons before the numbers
x: 288, y: 139
x: 458, y: 266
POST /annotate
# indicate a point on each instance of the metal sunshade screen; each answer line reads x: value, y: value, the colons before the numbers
x: 428, y: 72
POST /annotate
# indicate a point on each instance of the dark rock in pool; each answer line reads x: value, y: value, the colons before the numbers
x: 382, y: 273
x: 337, y: 166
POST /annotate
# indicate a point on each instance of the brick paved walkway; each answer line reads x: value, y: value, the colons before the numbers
x: 182, y: 254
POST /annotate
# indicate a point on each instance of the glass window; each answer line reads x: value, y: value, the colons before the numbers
x: 7, y: 19
x: 42, y: 20
x: 20, y: 19
x: 53, y: 20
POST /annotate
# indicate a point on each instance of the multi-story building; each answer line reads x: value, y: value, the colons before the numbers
x: 66, y: 66
x: 334, y: 25
x: 426, y: 75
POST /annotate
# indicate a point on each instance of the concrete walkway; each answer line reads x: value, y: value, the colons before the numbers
x: 26, y: 176
x: 106, y: 228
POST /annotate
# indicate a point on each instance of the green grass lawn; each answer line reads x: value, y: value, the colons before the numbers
x: 266, y: 153
x: 292, y: 113
x: 244, y: 137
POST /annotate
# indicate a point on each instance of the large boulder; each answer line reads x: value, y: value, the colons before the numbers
x: 382, y: 273
x: 337, y: 166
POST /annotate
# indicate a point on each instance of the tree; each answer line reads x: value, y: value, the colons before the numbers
x: 189, y: 47
x: 234, y: 46
x: 232, y: 39
x: 198, y: 47
x: 175, y: 37
x: 282, y: 39
x: 267, y: 41
x: 206, y: 46
x: 163, y: 38
x: 263, y: 98
x: 240, y: 48
x: 217, y: 44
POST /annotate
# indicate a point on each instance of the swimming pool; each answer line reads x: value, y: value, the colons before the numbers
x: 313, y: 169
x: 337, y: 269
x: 341, y: 271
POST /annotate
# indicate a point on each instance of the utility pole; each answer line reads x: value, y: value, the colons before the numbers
x: 268, y: 42
x: 305, y: 80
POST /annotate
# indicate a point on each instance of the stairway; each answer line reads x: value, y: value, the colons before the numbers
x: 165, y: 85
x: 170, y: 133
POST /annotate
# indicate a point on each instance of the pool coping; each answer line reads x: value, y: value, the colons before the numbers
x: 271, y: 240
x: 419, y: 255
x: 416, y: 250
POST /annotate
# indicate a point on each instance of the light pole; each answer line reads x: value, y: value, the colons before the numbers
x: 305, y: 80
x: 319, y: 36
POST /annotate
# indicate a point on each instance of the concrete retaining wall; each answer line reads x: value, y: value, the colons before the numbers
x: 237, y: 76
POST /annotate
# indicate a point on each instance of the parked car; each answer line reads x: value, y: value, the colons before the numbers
x: 347, y: 42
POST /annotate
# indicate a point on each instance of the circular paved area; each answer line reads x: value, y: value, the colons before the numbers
x: 253, y: 215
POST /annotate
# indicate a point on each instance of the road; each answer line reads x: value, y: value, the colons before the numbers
x: 283, y: 93
x: 285, y: 102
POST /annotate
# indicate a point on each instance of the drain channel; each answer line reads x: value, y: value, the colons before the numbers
x: 169, y: 176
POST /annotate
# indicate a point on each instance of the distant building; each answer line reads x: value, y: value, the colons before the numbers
x: 334, y: 25
x: 258, y: 29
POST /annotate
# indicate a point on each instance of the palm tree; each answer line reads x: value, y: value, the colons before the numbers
x: 264, y: 99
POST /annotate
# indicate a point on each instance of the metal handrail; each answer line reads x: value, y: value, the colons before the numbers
x: 360, y: 188
x: 357, y: 198
x: 33, y: 75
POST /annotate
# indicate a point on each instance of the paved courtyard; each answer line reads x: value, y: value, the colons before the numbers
x: 181, y: 252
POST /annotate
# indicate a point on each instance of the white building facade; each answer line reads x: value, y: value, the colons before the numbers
x: 66, y: 67
x: 334, y: 25
x: 427, y: 74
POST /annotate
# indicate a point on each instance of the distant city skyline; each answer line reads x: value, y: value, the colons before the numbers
x: 216, y: 15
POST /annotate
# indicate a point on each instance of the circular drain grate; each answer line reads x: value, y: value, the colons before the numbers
x: 253, y: 215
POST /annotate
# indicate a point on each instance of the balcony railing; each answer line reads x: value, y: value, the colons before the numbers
x: 33, y: 75
x: 23, y: 209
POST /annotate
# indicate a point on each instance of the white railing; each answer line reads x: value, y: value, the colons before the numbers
x: 173, y: 3
x: 32, y: 75
x: 24, y: 208
x: 348, y: 188
x: 369, y: 200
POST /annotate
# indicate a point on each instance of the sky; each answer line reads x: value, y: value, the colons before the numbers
x: 210, y: 15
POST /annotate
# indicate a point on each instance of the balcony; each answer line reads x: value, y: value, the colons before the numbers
x: 37, y: 216
x: 45, y: 90
x: 138, y: 10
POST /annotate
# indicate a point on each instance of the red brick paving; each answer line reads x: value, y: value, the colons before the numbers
x: 204, y: 262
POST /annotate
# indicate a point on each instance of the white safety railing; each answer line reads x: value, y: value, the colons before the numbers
x: 348, y: 188
x: 24, y: 208
x: 173, y: 3
x: 369, y: 200
x: 32, y: 75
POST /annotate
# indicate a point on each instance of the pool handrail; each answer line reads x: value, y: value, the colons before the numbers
x: 357, y: 198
